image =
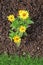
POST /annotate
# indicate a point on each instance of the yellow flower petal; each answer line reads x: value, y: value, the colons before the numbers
x: 17, y: 39
x: 22, y: 29
x: 23, y: 14
x: 11, y: 18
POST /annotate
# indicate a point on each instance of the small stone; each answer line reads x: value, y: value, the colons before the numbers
x: 24, y: 53
x: 38, y: 48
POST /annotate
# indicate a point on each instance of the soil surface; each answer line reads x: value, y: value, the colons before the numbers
x: 33, y: 43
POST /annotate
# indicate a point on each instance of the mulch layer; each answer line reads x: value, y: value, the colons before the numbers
x: 33, y: 43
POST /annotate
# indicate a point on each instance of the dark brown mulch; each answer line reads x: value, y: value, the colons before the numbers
x: 33, y: 43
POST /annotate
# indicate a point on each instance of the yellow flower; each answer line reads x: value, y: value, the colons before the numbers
x: 22, y: 29
x: 17, y: 39
x: 11, y: 18
x: 23, y: 14
x: 20, y: 11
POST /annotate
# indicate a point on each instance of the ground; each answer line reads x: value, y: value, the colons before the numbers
x: 33, y: 43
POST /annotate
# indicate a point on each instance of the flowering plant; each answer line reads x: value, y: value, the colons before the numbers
x: 19, y: 25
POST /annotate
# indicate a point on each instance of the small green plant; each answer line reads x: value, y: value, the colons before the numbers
x: 20, y: 60
x: 19, y: 25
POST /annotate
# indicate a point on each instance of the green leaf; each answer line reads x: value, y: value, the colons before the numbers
x: 11, y: 34
x: 20, y: 34
x: 28, y: 21
x: 25, y: 34
x: 23, y: 23
x: 15, y: 24
x: 18, y: 44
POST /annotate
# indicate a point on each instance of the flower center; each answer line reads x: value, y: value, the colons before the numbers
x: 22, y: 28
x: 24, y: 14
x: 11, y: 17
x: 16, y: 38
